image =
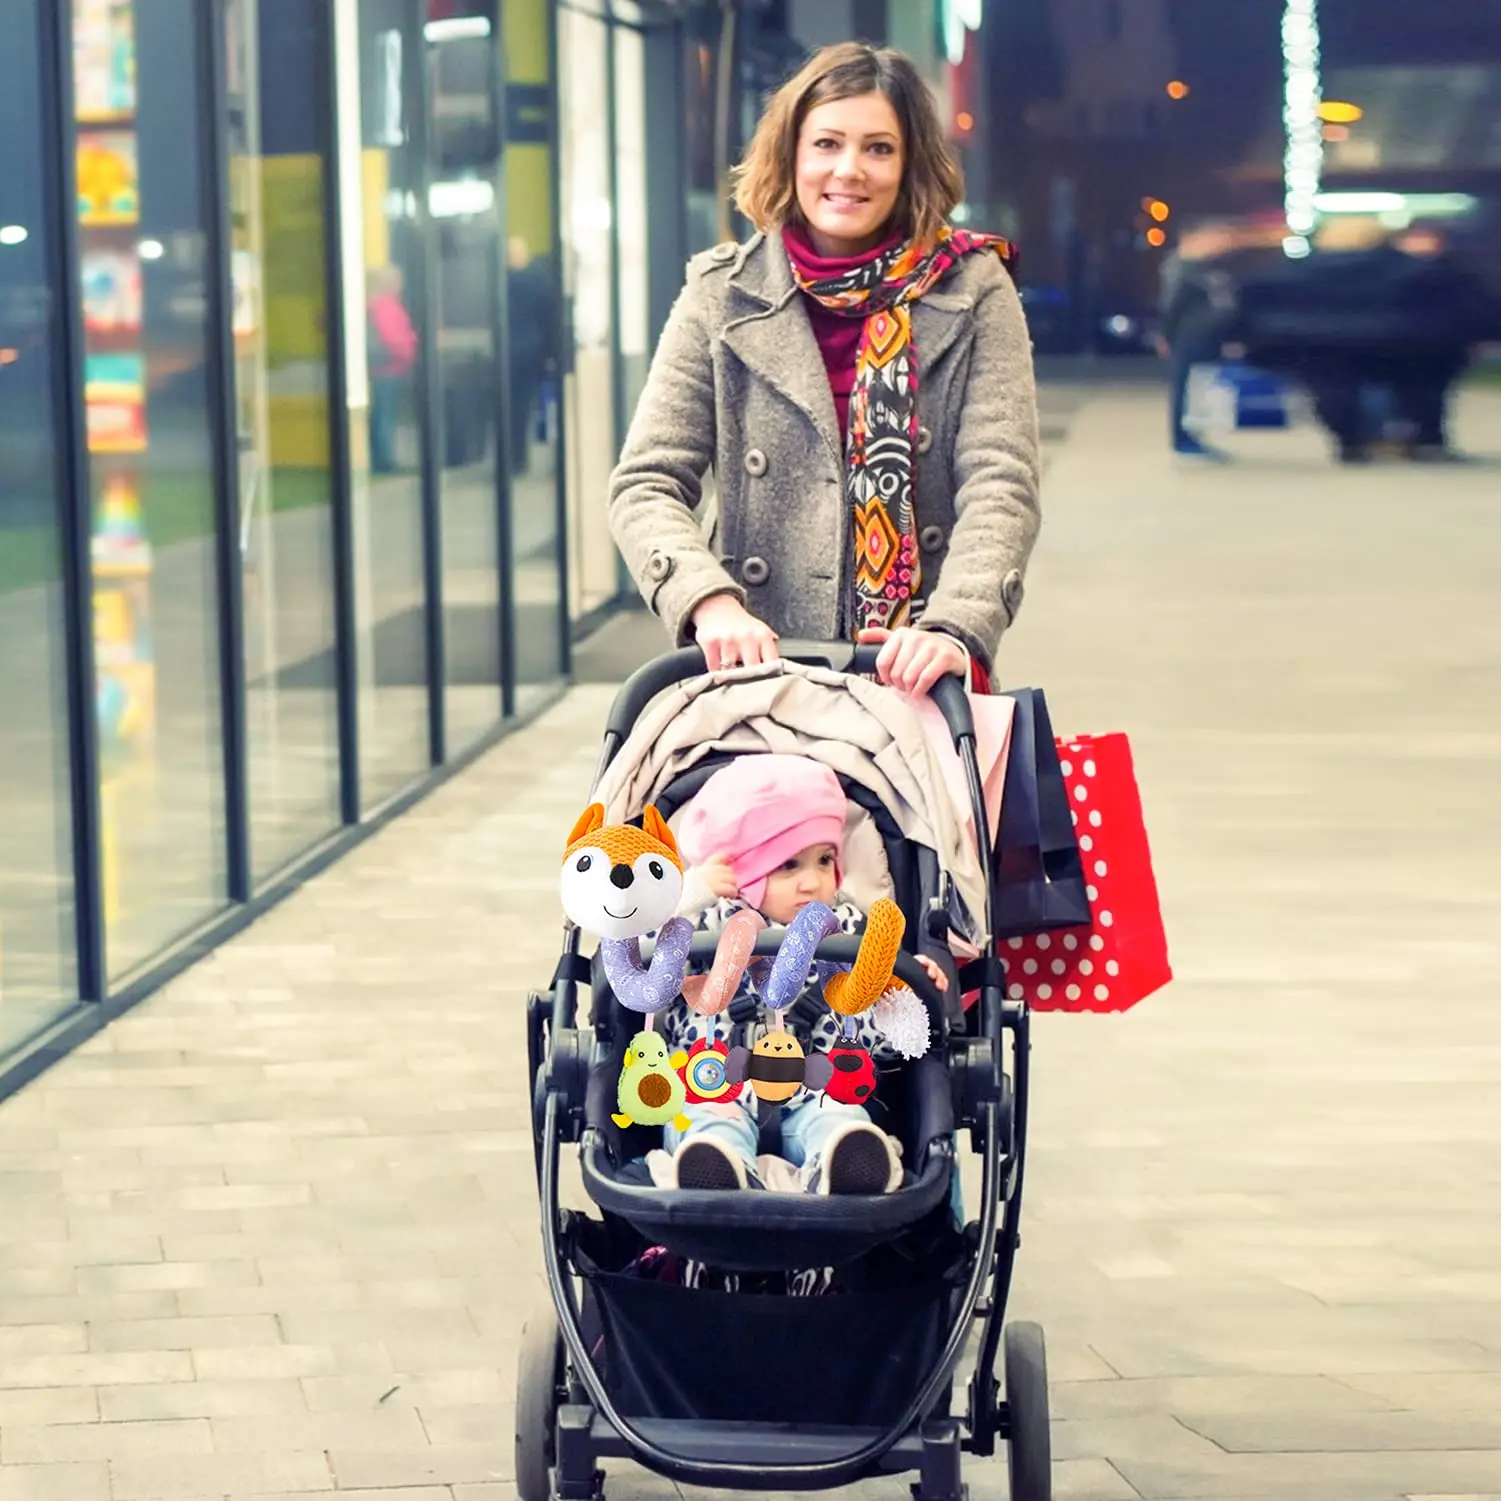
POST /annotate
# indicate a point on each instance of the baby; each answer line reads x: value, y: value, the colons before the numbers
x: 767, y: 832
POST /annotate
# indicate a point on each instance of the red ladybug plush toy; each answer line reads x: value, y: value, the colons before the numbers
x: 853, y: 1081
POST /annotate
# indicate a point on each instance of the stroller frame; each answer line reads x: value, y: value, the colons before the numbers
x: 566, y: 1420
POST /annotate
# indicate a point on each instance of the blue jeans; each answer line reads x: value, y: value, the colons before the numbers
x: 806, y: 1126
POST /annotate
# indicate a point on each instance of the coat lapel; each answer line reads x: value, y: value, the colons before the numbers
x: 770, y: 334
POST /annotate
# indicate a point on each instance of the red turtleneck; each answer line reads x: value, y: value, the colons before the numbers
x: 838, y: 334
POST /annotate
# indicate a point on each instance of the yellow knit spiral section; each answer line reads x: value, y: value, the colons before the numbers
x: 865, y: 984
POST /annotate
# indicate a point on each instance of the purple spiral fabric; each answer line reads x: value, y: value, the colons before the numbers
x: 789, y: 972
x: 643, y: 989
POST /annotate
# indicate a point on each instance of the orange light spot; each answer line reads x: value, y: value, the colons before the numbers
x: 1177, y: 89
x: 1156, y: 237
x: 964, y: 120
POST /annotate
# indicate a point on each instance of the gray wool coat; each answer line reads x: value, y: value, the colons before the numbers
x: 738, y: 386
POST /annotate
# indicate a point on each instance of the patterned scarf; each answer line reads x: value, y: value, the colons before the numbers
x: 881, y: 445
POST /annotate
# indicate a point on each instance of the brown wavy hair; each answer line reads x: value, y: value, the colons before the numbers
x: 765, y: 182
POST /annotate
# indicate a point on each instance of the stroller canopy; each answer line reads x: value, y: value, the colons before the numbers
x: 862, y: 730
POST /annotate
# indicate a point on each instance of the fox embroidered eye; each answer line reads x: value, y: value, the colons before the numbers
x: 655, y: 867
x: 583, y: 863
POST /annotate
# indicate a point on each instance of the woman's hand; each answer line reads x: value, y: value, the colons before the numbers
x: 913, y: 660
x: 718, y: 876
x: 730, y: 636
x: 934, y: 972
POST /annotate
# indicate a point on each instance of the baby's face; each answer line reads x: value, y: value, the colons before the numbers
x: 806, y: 877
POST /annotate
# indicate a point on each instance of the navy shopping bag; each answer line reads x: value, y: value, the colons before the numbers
x: 1036, y: 866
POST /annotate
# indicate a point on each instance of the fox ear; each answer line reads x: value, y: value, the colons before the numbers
x: 654, y: 824
x: 593, y: 818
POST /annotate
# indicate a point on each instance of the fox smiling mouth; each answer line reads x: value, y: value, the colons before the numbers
x: 620, y: 916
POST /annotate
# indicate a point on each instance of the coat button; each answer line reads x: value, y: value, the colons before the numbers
x: 931, y: 538
x: 755, y: 463
x: 755, y: 571
x: 1011, y: 590
x: 724, y: 252
x: 924, y: 439
x: 658, y: 566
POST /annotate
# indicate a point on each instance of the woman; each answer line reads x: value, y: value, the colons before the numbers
x: 859, y: 377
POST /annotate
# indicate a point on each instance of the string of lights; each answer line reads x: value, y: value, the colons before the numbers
x: 1303, y: 158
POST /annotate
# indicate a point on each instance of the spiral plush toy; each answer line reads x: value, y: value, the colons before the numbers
x: 621, y: 882
x: 709, y: 994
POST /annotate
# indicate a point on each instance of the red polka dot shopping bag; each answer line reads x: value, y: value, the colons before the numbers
x: 1120, y: 956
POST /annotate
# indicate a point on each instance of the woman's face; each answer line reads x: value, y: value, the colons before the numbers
x: 849, y: 172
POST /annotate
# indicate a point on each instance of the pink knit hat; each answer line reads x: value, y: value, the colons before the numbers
x: 760, y: 811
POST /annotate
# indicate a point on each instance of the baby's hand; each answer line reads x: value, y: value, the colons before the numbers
x: 934, y: 972
x: 719, y: 876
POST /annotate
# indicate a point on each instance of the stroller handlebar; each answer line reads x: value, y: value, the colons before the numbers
x: 839, y: 656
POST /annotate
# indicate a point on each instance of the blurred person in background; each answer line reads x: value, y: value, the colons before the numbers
x: 393, y: 355
x: 1197, y: 309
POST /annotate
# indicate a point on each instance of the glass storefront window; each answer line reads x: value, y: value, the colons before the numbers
x: 143, y: 244
x: 464, y: 143
x: 379, y: 47
x: 589, y: 387
x: 630, y: 213
x: 38, y: 975
x: 533, y: 371
x: 277, y: 167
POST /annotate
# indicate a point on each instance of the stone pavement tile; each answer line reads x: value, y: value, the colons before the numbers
x: 199, y: 1399
x: 36, y: 1282
x: 161, y: 1275
x: 390, y: 1325
x: 401, y: 1493
x: 42, y: 1339
x: 18, y: 1308
x: 1293, y: 1433
x: 1154, y: 1436
x: 426, y: 1466
x: 500, y: 1491
x: 483, y: 1424
x: 1313, y: 1477
x: 59, y: 1443
x: 1192, y: 1355
x: 273, y: 1362
x: 1073, y: 1480
x: 64, y: 1482
x: 1431, y: 1391
x: 48, y: 1404
x: 112, y: 1369
x: 480, y: 1386
x: 234, y: 1302
x: 1191, y: 1397
x: 200, y: 1477
x: 184, y: 1333
x: 381, y: 1427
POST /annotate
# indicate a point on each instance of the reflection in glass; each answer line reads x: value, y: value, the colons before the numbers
x: 379, y: 50
x: 276, y: 174
x: 143, y: 249
x: 37, y: 946
x: 464, y: 137
x: 589, y: 390
x: 532, y: 369
x: 630, y: 201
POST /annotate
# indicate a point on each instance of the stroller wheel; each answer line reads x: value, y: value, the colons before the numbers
x: 539, y: 1391
x: 1029, y: 1443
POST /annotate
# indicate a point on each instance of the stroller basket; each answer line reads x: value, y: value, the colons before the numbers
x: 839, y: 1359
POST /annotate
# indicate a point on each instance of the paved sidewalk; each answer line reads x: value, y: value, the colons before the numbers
x: 274, y: 1232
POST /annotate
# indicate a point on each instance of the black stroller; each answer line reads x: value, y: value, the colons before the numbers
x: 745, y: 1388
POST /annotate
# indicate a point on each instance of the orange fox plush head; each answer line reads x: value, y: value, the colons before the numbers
x: 621, y: 881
